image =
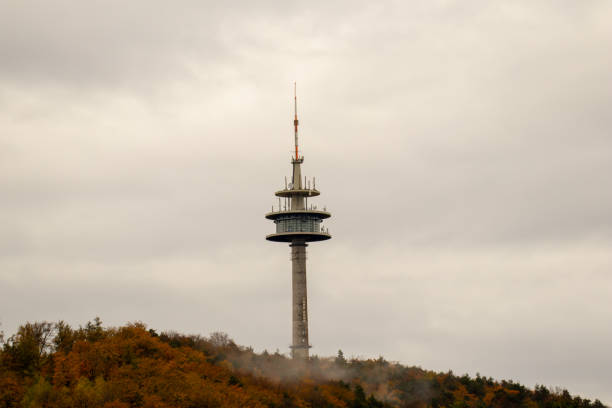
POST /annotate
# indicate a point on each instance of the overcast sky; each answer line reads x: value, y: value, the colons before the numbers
x: 463, y: 148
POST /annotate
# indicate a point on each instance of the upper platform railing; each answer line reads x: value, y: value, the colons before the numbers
x: 276, y: 212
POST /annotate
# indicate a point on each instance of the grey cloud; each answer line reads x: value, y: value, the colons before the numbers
x: 103, y: 42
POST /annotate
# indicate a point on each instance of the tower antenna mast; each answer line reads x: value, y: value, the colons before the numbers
x: 295, y: 120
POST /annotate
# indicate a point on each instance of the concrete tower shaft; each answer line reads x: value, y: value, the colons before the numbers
x: 300, y: 346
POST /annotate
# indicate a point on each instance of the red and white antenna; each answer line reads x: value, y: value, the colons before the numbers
x: 295, y: 121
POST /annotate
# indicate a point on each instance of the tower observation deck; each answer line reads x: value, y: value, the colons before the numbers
x: 297, y: 224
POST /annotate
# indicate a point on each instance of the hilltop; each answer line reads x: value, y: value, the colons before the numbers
x: 54, y: 365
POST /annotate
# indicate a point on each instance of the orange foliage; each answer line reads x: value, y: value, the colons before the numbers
x: 129, y: 366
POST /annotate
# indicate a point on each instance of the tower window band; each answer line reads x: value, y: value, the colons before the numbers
x: 301, y: 223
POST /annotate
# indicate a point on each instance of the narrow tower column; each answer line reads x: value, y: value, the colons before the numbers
x: 300, y: 346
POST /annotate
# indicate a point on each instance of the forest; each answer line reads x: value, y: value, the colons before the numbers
x: 54, y: 365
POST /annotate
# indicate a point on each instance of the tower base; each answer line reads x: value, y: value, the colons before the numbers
x: 300, y: 352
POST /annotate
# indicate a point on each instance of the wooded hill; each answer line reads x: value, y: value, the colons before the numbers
x: 53, y: 365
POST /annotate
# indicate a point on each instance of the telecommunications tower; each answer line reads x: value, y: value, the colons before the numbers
x: 298, y: 223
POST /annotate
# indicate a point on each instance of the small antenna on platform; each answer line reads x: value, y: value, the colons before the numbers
x: 295, y: 121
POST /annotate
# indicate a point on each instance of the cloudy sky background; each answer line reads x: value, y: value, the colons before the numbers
x: 464, y: 149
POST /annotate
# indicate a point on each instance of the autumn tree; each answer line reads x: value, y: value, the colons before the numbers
x: 25, y: 350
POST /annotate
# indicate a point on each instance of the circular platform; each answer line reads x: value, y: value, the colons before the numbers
x: 303, y: 236
x: 312, y: 213
x: 304, y: 192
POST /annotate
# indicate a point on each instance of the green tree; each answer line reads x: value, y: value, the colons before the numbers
x: 340, y: 360
x: 27, y: 349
